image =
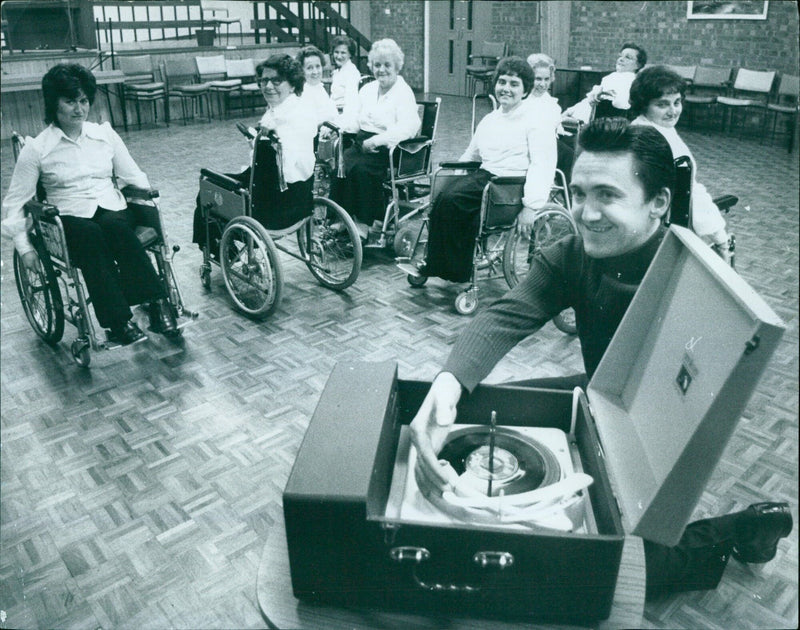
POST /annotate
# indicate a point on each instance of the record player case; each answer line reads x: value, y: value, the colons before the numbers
x: 650, y: 429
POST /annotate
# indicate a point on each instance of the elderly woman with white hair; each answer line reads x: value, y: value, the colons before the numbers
x: 387, y: 115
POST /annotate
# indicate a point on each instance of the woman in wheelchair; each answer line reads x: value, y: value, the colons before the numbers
x: 312, y: 61
x: 657, y: 100
x: 75, y: 161
x: 387, y: 115
x: 507, y: 142
x: 294, y: 123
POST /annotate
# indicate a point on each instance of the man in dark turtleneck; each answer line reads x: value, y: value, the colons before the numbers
x: 621, y: 186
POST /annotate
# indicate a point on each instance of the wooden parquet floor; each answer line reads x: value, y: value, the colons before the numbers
x: 139, y: 494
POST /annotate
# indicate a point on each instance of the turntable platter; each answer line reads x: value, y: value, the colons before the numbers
x: 521, y: 463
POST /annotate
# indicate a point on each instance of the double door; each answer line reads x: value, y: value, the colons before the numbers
x: 457, y: 29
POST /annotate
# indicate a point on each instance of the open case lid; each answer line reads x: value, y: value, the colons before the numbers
x: 674, y: 381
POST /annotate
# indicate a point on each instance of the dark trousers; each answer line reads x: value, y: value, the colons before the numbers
x: 116, y: 268
x: 361, y: 191
x: 453, y: 226
x: 699, y: 559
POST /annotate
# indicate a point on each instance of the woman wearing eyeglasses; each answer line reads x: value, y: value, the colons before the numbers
x: 293, y: 121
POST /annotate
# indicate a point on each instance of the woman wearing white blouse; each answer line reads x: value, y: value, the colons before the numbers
x: 657, y: 100
x: 294, y: 123
x: 345, y: 77
x: 76, y: 162
x: 387, y: 115
x: 311, y: 59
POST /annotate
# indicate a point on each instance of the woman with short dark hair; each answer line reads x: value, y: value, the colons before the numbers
x: 345, y: 77
x: 76, y: 161
x: 507, y: 142
x: 657, y: 100
x: 312, y: 61
x: 293, y: 121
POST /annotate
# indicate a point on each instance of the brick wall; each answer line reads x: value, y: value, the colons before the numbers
x: 598, y: 29
x: 403, y: 21
x: 518, y: 24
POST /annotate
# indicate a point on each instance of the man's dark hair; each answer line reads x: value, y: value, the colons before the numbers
x: 652, y: 83
x: 66, y: 80
x: 515, y: 66
x: 288, y: 69
x: 344, y: 40
x: 641, y: 55
x: 653, y: 165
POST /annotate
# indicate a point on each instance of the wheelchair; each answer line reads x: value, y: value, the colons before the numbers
x: 408, y: 183
x: 245, y: 222
x: 55, y: 291
x: 499, y: 250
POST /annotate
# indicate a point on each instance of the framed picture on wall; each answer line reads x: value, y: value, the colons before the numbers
x: 726, y: 10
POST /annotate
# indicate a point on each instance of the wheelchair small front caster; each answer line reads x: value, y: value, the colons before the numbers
x: 404, y: 241
x: 467, y: 302
x: 205, y: 276
x: 565, y: 322
x: 80, y: 352
x: 416, y: 281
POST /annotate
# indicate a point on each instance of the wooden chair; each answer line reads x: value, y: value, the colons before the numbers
x: 750, y: 92
x: 212, y: 70
x: 685, y: 72
x: 245, y: 71
x: 141, y: 85
x: 708, y: 83
x: 180, y: 75
x: 786, y: 104
x: 487, y: 57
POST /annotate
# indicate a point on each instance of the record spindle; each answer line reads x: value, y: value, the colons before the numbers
x: 492, y: 431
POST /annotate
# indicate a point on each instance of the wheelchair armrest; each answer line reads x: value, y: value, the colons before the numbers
x: 517, y: 179
x: 726, y: 202
x: 41, y: 209
x: 220, y: 180
x: 414, y: 145
x: 467, y: 166
x: 135, y: 192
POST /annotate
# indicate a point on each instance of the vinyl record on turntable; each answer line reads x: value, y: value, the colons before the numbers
x: 520, y: 463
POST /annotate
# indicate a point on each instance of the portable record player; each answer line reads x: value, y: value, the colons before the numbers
x: 648, y: 432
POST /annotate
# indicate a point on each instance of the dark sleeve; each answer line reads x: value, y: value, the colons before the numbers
x: 522, y: 311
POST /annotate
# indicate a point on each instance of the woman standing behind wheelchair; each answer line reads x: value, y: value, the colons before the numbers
x: 75, y: 161
x: 345, y: 77
x: 657, y: 100
x: 507, y: 142
x: 387, y: 115
x: 312, y: 61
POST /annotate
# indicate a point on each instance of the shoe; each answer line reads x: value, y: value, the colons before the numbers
x: 129, y: 333
x: 759, y: 529
x: 419, y: 270
x: 162, y: 319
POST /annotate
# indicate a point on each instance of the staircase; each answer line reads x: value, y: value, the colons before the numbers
x: 308, y: 22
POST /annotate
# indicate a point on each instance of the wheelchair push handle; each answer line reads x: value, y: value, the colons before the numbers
x: 331, y: 126
x: 245, y: 130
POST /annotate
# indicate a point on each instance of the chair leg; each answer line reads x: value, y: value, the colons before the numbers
x: 138, y: 115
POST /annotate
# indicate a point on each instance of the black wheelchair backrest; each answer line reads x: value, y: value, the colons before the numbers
x: 680, y: 210
x: 429, y: 113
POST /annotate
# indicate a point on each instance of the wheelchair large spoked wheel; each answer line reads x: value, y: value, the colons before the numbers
x: 41, y: 296
x: 330, y: 245
x: 250, y: 267
x: 552, y: 224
